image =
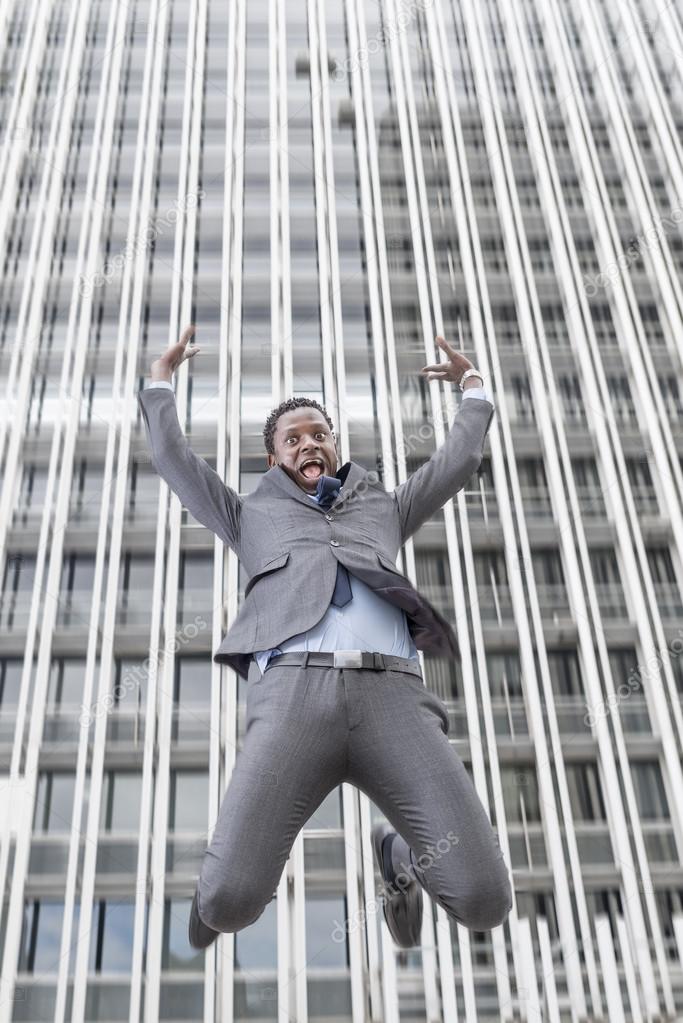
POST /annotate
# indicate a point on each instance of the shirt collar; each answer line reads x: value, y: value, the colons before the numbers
x: 340, y: 474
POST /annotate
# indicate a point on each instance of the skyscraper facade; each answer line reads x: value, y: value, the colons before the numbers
x: 323, y: 188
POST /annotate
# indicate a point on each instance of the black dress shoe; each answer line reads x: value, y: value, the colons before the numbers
x: 200, y: 934
x: 402, y: 905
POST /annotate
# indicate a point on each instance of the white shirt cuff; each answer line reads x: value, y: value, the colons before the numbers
x: 476, y: 392
x: 159, y: 383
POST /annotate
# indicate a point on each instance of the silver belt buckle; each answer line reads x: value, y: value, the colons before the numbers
x: 348, y: 658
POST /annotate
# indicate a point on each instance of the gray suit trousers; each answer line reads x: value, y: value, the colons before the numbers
x: 310, y: 728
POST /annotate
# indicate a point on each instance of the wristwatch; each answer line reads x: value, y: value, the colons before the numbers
x: 467, y: 374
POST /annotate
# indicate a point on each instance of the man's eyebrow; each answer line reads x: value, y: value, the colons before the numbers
x: 319, y: 426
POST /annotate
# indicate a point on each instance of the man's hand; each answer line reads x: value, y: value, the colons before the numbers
x: 164, y: 367
x: 453, y: 368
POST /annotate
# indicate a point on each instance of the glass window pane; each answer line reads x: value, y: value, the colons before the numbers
x: 111, y: 945
x: 256, y: 945
x: 193, y: 680
x: 54, y: 802
x: 41, y: 937
x: 67, y: 679
x: 121, y: 797
x: 189, y: 805
x: 325, y: 923
x: 177, y: 953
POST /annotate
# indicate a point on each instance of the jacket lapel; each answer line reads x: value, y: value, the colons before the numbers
x: 279, y: 478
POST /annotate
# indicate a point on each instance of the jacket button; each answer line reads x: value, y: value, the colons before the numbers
x: 329, y: 517
x: 335, y: 543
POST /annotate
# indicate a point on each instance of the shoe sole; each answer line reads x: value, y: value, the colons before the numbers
x: 200, y: 934
x: 403, y: 909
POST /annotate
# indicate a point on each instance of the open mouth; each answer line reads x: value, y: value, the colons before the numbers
x: 312, y: 468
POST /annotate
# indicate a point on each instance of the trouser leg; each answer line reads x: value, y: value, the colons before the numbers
x: 293, y: 755
x: 400, y: 755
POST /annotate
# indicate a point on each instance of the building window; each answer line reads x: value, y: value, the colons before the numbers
x: 506, y: 326
x: 189, y: 801
x: 605, y: 566
x: 523, y: 409
x: 607, y: 579
x: 661, y: 565
x: 256, y: 945
x: 76, y: 589
x: 41, y: 937
x: 588, y: 257
x: 671, y: 394
x: 555, y: 322
x: 130, y: 681
x: 585, y: 792
x: 548, y: 566
x: 565, y: 672
x: 67, y: 680
x: 143, y: 493
x: 54, y: 802
x: 589, y: 488
x: 136, y: 579
x: 667, y: 588
x: 10, y: 680
x: 650, y: 793
x: 505, y: 674
x: 196, y: 585
x: 87, y: 488
x: 573, y: 398
x: 177, y: 953
x: 677, y: 668
x: 32, y: 494
x: 192, y: 683
x: 323, y: 913
x: 642, y: 486
x: 121, y: 799
x: 622, y: 400
x: 540, y: 256
x: 520, y: 794
x: 603, y: 324
x: 17, y: 587
x: 111, y: 945
x: 625, y: 669
x: 652, y: 324
x: 192, y: 699
x: 493, y: 250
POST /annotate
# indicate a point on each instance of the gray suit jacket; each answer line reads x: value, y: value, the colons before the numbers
x: 284, y: 540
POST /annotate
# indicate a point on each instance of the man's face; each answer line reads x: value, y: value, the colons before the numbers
x: 305, y: 447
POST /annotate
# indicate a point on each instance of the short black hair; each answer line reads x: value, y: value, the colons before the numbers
x: 288, y: 406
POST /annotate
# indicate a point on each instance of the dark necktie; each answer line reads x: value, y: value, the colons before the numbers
x: 328, y: 488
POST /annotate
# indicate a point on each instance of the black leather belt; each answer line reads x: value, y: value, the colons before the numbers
x: 348, y: 659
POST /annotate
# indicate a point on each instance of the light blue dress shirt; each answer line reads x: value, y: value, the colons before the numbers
x: 367, y: 622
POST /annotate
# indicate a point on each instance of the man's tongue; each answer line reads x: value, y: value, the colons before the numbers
x: 312, y: 471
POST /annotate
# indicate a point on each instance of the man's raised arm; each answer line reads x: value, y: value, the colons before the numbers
x: 199, y: 488
x: 460, y: 455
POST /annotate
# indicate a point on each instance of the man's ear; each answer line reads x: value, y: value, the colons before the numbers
x: 271, y: 460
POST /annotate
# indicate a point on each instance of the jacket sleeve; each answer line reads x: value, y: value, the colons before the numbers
x: 200, y: 489
x: 448, y: 469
